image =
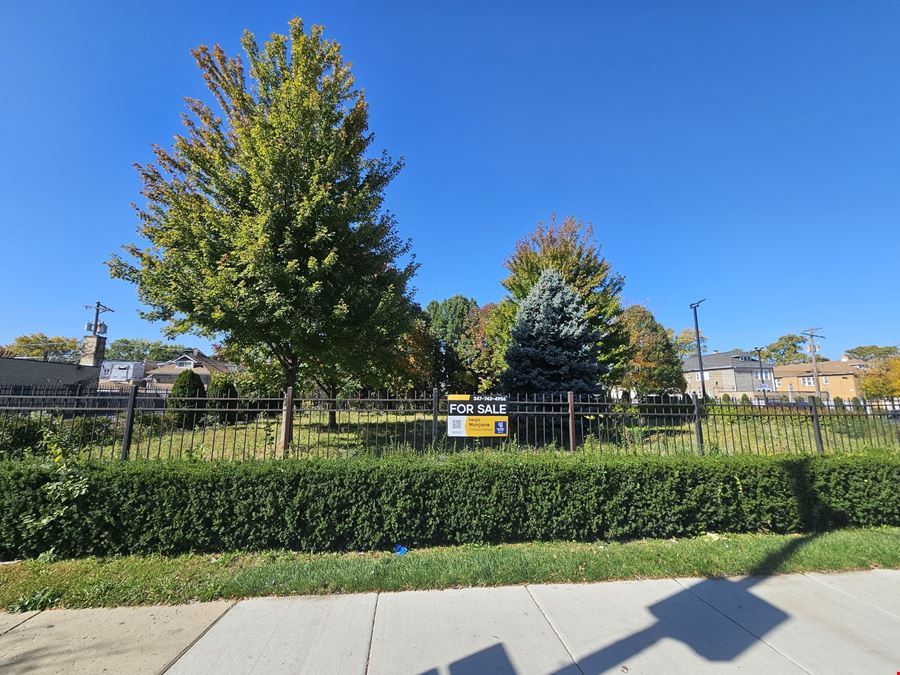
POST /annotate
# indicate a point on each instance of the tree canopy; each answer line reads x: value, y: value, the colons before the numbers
x: 266, y: 223
x: 786, y: 350
x: 653, y: 365
x: 873, y: 352
x: 883, y: 379
x: 139, y: 349
x: 554, y: 345
x: 685, y: 343
x: 570, y: 249
x: 44, y: 347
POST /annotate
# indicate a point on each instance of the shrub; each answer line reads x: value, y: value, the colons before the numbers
x: 222, y: 397
x: 186, y: 397
x: 745, y: 399
x: 363, y: 504
x: 726, y: 399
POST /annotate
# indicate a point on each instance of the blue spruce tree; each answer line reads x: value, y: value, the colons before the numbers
x: 553, y: 346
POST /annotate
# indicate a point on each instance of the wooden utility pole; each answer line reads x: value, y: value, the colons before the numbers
x: 810, y: 333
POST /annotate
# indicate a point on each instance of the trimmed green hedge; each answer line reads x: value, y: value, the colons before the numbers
x: 321, y: 505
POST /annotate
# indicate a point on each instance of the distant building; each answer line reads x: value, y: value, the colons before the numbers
x: 123, y: 373
x: 32, y: 376
x: 164, y: 375
x: 836, y: 378
x: 733, y: 373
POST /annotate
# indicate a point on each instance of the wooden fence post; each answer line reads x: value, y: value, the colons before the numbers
x: 287, y: 422
x: 435, y: 404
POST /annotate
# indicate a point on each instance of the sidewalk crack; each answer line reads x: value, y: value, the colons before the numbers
x: 372, y: 631
x: 553, y: 628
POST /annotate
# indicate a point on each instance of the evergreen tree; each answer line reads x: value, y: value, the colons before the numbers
x: 554, y: 346
x: 653, y: 366
x: 222, y: 395
x: 186, y: 396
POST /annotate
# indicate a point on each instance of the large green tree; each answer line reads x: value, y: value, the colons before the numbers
x: 653, y: 364
x: 554, y: 345
x: 139, y: 349
x: 785, y: 350
x: 486, y: 341
x: 266, y: 221
x: 685, y: 343
x: 44, y: 347
x: 569, y: 248
x: 873, y: 352
x: 449, y: 321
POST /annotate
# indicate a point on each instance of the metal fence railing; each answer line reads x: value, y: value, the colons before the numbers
x: 135, y: 424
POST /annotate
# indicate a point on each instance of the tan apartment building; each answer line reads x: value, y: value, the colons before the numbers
x: 165, y: 374
x: 836, y: 378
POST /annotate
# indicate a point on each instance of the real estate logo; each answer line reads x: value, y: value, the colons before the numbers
x: 471, y: 415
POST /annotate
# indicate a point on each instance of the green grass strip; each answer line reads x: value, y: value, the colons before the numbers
x: 145, y: 580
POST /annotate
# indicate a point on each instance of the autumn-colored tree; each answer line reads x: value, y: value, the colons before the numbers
x: 569, y: 248
x: 653, y: 365
x: 883, y: 379
x: 685, y: 343
x: 266, y: 222
x: 486, y: 341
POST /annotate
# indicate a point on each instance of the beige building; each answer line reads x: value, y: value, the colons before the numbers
x: 836, y: 379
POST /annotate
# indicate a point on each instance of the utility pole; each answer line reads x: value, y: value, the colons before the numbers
x: 811, y: 334
x: 98, y: 308
x: 762, y: 377
x: 694, y: 306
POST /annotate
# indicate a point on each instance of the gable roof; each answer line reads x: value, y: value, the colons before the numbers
x: 736, y: 358
x: 199, y: 359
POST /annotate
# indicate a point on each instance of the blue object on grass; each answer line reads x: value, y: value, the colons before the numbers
x: 399, y: 549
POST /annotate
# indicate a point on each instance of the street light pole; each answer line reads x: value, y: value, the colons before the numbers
x: 694, y: 306
x: 762, y: 379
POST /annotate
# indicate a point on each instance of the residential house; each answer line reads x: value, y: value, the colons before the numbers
x: 836, y: 379
x: 165, y: 374
x: 24, y: 376
x: 734, y: 373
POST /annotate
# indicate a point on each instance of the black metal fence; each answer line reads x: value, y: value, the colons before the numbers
x: 135, y: 424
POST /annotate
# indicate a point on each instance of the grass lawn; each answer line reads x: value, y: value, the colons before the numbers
x: 144, y: 580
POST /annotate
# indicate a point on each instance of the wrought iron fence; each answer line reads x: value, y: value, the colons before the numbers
x: 135, y: 424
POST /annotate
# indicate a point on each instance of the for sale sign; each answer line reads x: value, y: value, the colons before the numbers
x: 477, y: 415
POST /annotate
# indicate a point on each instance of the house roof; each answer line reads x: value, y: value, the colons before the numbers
x: 28, y: 372
x: 851, y: 367
x: 201, y: 361
x: 736, y: 359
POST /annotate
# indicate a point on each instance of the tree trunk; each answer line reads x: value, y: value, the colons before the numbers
x: 286, y: 434
x: 332, y: 407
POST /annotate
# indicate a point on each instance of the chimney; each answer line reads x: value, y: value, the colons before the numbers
x: 93, y: 347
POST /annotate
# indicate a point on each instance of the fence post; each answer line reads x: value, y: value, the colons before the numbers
x: 129, y: 422
x: 435, y: 403
x: 287, y: 422
x: 572, y: 421
x: 698, y: 426
x: 817, y: 430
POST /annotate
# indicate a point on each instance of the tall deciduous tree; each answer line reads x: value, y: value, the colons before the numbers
x: 872, y: 352
x: 448, y: 322
x: 139, y: 349
x: 569, y: 248
x: 266, y: 222
x: 486, y: 341
x: 785, y: 350
x: 653, y: 365
x: 685, y: 343
x: 44, y: 347
x: 554, y: 345
x: 883, y: 379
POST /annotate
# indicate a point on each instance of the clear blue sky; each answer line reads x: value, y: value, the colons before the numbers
x: 746, y: 153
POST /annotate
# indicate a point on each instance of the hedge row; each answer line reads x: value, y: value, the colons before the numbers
x: 308, y: 505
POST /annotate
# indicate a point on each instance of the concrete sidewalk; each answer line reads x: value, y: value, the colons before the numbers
x: 815, y: 623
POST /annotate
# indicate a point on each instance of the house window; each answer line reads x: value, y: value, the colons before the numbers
x: 705, y: 376
x: 763, y: 375
x: 807, y: 381
x: 825, y: 379
x: 777, y: 382
x: 184, y: 363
